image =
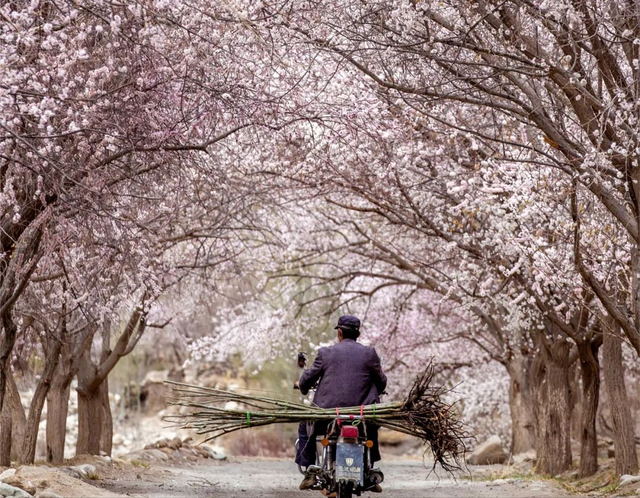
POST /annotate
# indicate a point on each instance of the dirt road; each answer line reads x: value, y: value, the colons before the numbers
x: 279, y: 479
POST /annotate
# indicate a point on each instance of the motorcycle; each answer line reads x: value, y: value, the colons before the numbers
x: 343, y: 456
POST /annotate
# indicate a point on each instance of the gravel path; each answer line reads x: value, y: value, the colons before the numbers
x: 263, y: 478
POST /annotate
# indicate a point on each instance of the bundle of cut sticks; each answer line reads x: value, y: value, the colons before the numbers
x: 423, y: 414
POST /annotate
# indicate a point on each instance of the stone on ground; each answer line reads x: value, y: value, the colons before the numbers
x: 7, y: 473
x: 60, y: 483
x: 628, y: 479
x: 213, y: 453
x: 526, y: 457
x: 11, y: 491
x: 18, y: 481
x: 488, y: 453
x: 86, y: 469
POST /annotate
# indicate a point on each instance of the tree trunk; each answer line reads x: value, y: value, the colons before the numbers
x: 89, y: 408
x: 590, y: 370
x: 552, y: 409
x: 18, y: 417
x: 106, y: 436
x: 5, y: 435
x: 94, y: 414
x: 623, y: 432
x: 12, y: 422
x: 28, y: 453
x: 57, y: 410
x: 6, y: 346
x: 559, y: 420
x: 28, y: 450
x: 89, y: 423
x: 538, y: 391
x: 577, y: 398
x: 522, y: 431
x: 73, y: 358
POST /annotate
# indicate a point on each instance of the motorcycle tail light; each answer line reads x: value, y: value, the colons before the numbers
x: 349, y: 431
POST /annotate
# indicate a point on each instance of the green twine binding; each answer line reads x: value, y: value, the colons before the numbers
x: 248, y: 419
x: 374, y: 410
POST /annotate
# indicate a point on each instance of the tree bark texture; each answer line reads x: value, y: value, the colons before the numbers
x: 58, y: 399
x: 95, y: 423
x: 6, y: 346
x: 523, y: 437
x: 89, y: 408
x: 5, y: 436
x: 57, y: 410
x: 12, y: 423
x: 18, y: 417
x: 106, y: 435
x: 28, y: 453
x: 552, y: 408
x: 590, y: 373
x: 89, y: 423
x: 577, y: 395
x: 623, y: 431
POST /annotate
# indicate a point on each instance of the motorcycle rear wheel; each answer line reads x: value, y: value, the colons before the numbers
x: 345, y: 490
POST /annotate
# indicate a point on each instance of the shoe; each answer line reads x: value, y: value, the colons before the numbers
x: 376, y: 488
x: 308, y: 482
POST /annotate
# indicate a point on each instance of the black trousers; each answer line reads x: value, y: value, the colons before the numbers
x: 307, y: 433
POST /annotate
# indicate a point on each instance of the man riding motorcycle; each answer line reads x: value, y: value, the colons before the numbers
x: 348, y: 374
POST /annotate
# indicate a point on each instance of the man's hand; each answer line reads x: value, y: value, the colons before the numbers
x: 296, y: 385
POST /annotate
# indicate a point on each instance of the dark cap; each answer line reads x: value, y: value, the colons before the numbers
x: 348, y: 322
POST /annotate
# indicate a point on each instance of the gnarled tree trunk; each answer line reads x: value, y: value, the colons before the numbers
x: 590, y: 374
x: 89, y: 409
x: 12, y: 423
x: 18, y: 417
x: 552, y: 408
x: 106, y: 435
x: 89, y: 423
x: 57, y: 410
x: 28, y: 453
x: 5, y: 435
x: 623, y: 432
x: 520, y: 404
x: 95, y: 425
x: 58, y: 398
x: 6, y: 346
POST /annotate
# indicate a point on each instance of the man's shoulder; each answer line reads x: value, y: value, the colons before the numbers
x: 353, y: 347
x: 347, y: 345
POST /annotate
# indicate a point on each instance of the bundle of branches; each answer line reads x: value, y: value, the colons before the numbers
x: 424, y: 414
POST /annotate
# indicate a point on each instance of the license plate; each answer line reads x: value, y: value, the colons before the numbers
x: 350, y: 462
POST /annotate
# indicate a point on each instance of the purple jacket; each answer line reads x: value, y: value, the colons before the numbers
x: 350, y: 375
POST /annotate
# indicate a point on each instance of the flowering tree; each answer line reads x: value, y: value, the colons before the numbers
x: 110, y: 114
x: 478, y: 155
x: 523, y: 84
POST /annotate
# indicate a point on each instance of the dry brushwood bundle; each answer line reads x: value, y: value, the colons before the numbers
x: 424, y: 414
